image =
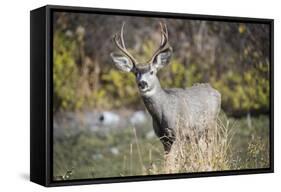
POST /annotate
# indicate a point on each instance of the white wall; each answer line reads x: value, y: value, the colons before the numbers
x: 14, y: 94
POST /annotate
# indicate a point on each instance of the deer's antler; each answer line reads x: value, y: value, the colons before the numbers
x: 119, y: 37
x: 164, y: 42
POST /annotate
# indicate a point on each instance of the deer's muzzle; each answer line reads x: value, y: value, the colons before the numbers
x: 142, y: 85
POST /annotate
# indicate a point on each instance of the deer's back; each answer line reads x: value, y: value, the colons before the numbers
x: 195, y: 106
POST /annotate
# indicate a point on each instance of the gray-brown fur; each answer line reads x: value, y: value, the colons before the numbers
x: 192, y: 108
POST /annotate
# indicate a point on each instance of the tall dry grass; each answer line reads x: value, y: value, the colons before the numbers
x: 209, y: 151
x: 191, y: 152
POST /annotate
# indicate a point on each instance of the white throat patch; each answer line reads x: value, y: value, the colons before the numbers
x: 148, y: 93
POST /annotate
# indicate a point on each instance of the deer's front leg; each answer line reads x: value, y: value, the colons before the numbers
x: 167, y: 143
x: 169, y: 154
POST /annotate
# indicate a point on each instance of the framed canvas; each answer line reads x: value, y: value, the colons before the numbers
x: 123, y: 95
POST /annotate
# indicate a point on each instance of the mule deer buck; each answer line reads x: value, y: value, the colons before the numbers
x: 196, y: 107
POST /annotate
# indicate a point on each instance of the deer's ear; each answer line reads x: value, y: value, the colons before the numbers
x: 163, y: 58
x: 123, y: 63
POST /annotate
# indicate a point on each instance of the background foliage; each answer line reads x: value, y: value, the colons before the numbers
x: 232, y: 57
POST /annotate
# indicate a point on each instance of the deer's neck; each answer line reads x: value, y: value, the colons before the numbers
x: 154, y: 102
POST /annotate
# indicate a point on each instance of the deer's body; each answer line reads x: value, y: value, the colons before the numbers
x: 191, y: 109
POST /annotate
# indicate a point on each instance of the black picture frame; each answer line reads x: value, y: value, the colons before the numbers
x: 41, y: 91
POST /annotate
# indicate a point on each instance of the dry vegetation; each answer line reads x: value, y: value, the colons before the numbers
x: 210, y: 152
x: 192, y: 153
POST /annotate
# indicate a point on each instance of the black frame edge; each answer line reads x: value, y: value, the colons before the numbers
x: 160, y: 177
x: 49, y: 95
x: 271, y: 95
x: 131, y: 12
x: 37, y: 96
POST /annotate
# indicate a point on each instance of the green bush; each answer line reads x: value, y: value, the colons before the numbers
x: 243, y: 92
x: 65, y: 72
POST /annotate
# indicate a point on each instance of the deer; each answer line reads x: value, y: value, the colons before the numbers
x: 197, y: 106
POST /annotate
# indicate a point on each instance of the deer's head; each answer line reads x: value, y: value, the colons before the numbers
x: 145, y: 73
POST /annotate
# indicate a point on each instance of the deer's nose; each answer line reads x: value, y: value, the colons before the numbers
x: 142, y: 84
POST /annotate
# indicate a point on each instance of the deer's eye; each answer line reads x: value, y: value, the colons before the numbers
x: 151, y: 72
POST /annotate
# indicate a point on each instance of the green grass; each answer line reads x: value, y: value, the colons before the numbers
x: 93, y: 155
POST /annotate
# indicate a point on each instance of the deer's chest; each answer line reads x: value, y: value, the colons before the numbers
x: 163, y: 114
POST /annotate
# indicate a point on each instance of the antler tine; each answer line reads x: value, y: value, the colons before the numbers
x: 122, y: 47
x: 166, y: 31
x: 122, y: 37
x: 161, y: 30
x: 164, y: 41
